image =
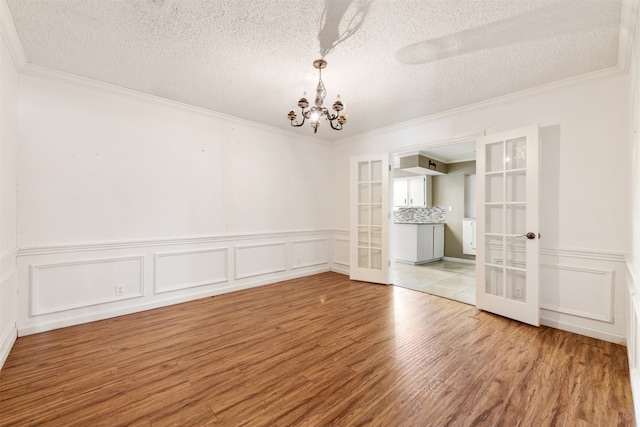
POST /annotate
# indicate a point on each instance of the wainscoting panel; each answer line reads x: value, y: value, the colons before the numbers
x: 633, y: 332
x: 189, y: 269
x: 8, y: 303
x: 340, y: 251
x: 309, y: 253
x: 585, y: 292
x: 70, y: 285
x: 260, y: 259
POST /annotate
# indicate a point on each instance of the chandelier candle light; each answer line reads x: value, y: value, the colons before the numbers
x: 314, y: 113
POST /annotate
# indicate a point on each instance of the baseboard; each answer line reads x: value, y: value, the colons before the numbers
x: 9, y: 336
x: 107, y: 314
x: 342, y: 269
x: 581, y: 330
x: 634, y: 377
x: 632, y: 323
x: 463, y: 260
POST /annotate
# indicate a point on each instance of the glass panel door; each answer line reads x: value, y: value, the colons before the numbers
x: 507, y: 208
x: 370, y: 219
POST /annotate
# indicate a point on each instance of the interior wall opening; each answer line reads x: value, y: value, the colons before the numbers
x: 433, y: 220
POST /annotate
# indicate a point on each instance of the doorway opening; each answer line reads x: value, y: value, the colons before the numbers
x: 433, y: 220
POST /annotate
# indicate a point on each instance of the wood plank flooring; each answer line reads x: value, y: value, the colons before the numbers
x: 315, y: 351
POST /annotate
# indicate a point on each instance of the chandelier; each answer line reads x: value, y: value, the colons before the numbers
x: 316, y: 112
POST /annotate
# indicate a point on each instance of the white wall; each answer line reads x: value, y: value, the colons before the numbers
x: 100, y: 166
x: 168, y: 202
x: 633, y: 273
x: 8, y: 177
x: 634, y: 158
x: 585, y: 208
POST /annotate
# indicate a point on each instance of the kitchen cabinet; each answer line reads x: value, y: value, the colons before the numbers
x: 418, y: 243
x: 412, y: 192
x: 469, y: 236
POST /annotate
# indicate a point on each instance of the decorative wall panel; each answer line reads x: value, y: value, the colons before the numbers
x: 260, y: 259
x: 576, y: 291
x: 70, y: 285
x: 308, y: 253
x: 633, y: 337
x: 188, y: 269
x: 583, y: 292
x: 341, y: 251
x: 8, y: 303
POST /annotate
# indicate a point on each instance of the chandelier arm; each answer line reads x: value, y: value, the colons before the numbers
x: 331, y: 118
x: 296, y: 124
x: 328, y: 114
x: 339, y: 127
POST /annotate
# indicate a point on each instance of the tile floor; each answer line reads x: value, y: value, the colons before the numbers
x: 449, y: 279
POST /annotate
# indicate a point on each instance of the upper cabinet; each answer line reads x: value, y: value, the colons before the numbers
x: 412, y: 192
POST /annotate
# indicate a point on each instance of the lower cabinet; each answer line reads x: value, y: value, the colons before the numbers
x: 418, y: 243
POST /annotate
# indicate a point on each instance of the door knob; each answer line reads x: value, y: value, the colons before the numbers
x: 529, y: 235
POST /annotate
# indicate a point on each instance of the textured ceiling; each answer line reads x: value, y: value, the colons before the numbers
x: 253, y: 58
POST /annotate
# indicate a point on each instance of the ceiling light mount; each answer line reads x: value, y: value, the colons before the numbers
x: 313, y: 114
x: 319, y: 64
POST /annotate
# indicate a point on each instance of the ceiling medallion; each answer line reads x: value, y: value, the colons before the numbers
x: 315, y: 113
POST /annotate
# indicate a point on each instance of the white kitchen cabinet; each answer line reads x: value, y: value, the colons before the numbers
x: 418, y: 243
x: 438, y: 241
x: 469, y: 236
x: 400, y: 192
x: 412, y: 192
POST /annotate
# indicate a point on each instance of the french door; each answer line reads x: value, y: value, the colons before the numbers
x: 507, y: 224
x: 369, y: 260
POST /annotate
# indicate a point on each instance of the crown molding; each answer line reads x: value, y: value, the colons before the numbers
x: 628, y: 19
x: 46, y: 73
x: 628, y: 24
x: 500, y: 100
x: 10, y: 36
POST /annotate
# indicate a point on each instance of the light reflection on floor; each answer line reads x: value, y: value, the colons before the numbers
x: 449, y: 279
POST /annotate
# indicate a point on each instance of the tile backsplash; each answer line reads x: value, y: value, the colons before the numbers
x: 434, y: 214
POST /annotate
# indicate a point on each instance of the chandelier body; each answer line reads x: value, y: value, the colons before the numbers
x: 317, y: 111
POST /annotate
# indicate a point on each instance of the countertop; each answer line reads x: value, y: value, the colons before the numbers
x: 419, y: 223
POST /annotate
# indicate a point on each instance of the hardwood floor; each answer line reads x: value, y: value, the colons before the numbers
x: 316, y: 351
